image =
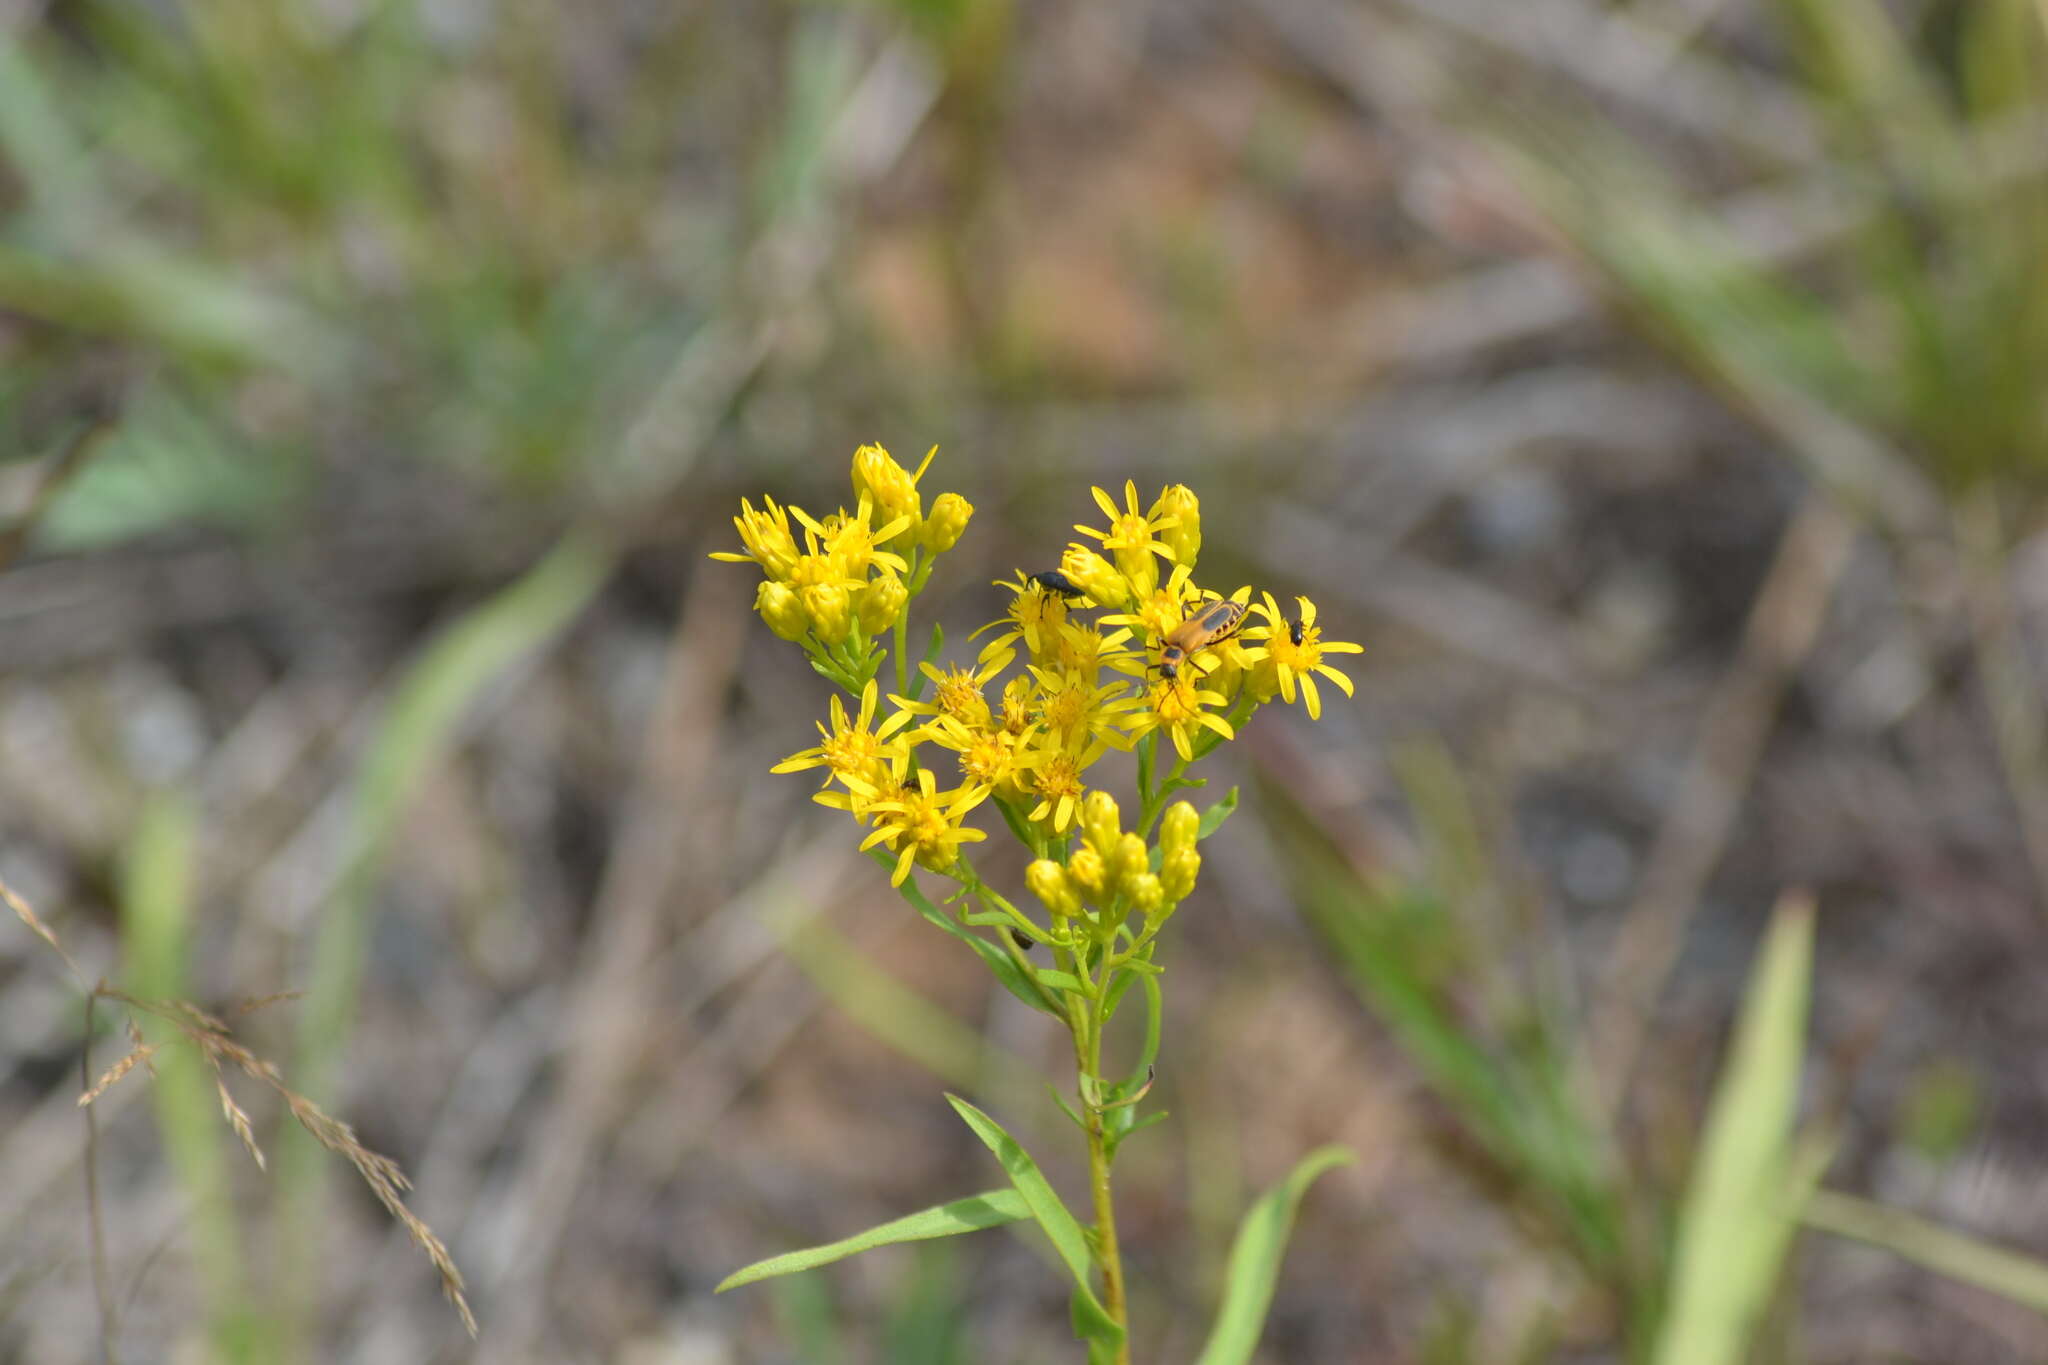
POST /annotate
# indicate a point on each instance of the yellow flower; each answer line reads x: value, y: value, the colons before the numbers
x: 1078, y: 715
x: 882, y: 600
x: 1288, y: 661
x: 947, y: 523
x: 1020, y: 696
x: 865, y: 761
x: 1184, y: 535
x: 995, y: 759
x: 767, y: 537
x: 1133, y: 537
x: 894, y: 489
x: 782, y: 609
x: 1083, y: 648
x: 850, y: 542
x: 1057, y: 782
x: 1176, y: 708
x: 922, y: 824
x: 1034, y: 614
x: 956, y: 693
x: 1095, y: 576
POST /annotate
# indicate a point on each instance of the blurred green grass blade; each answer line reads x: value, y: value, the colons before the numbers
x: 2009, y: 1274
x: 1738, y: 1218
x: 992, y: 1209
x: 418, y: 728
x: 1397, y: 945
x: 1254, y: 1266
x: 156, y: 936
x: 890, y: 1010
x: 1044, y: 1202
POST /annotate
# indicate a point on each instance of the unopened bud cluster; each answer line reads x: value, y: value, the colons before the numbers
x: 1113, y: 872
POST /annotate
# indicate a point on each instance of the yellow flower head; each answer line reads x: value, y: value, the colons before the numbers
x: 956, y: 694
x: 851, y: 542
x: 947, y: 523
x: 1183, y: 534
x: 1294, y: 653
x: 1132, y: 537
x: 865, y: 761
x: 1058, y: 785
x: 782, y: 609
x: 922, y: 824
x: 882, y: 599
x: 995, y: 759
x: 1175, y: 708
x: 1020, y: 698
x: 1078, y: 715
x: 1094, y: 575
x: 767, y: 536
x: 1034, y: 614
x: 876, y: 475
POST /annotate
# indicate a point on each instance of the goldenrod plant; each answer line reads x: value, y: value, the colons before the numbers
x: 1119, y: 648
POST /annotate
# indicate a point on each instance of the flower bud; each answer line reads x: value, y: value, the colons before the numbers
x: 1087, y: 870
x: 782, y: 609
x: 1177, y: 873
x: 1140, y: 568
x: 1094, y: 575
x: 1049, y: 882
x: 1099, y: 820
x: 831, y: 611
x: 767, y: 537
x: 1184, y: 537
x: 1179, y: 826
x: 1146, y: 894
x: 881, y: 602
x: 1130, y: 858
x: 943, y: 529
x: 876, y: 473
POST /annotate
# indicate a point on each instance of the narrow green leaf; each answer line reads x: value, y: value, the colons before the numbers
x: 1093, y: 1325
x: 1057, y: 980
x: 999, y: 962
x: 1736, y: 1222
x: 1213, y: 818
x: 2023, y: 1279
x: 1254, y: 1266
x: 1065, y: 1233
x: 991, y: 1209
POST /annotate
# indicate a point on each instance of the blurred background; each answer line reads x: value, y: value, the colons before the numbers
x: 1652, y: 386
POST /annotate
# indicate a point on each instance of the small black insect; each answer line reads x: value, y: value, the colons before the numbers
x: 1052, y: 580
x: 1294, y: 629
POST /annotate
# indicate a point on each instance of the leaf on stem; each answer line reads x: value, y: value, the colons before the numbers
x: 1213, y: 818
x: 999, y: 962
x: 1254, y: 1266
x: 1060, y: 1226
x: 991, y: 1209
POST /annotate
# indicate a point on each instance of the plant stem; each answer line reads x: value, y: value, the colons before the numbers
x: 1087, y: 1029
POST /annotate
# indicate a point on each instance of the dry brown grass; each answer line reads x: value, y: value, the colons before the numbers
x: 214, y: 1040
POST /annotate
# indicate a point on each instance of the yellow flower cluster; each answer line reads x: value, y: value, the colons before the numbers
x: 1121, y: 649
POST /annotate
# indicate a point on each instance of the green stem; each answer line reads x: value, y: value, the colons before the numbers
x: 1087, y: 1028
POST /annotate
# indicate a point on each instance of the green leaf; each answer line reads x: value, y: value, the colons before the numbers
x: 989, y: 1210
x: 2023, y: 1279
x: 1213, y: 818
x: 1058, y: 980
x: 1065, y: 1233
x: 1737, y: 1219
x: 1254, y: 1266
x: 999, y: 962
